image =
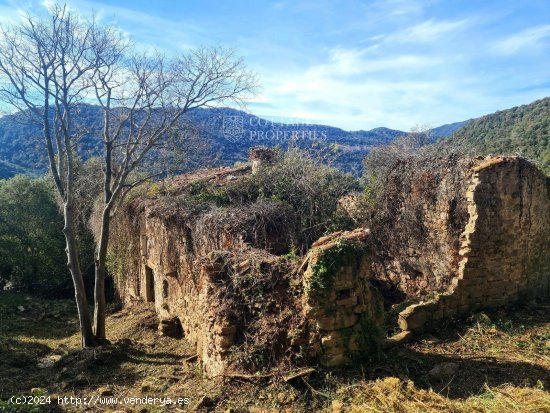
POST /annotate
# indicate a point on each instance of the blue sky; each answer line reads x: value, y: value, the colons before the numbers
x: 356, y: 64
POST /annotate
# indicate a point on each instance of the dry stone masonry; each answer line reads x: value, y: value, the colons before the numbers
x: 504, y: 248
x: 467, y: 235
x: 338, y: 298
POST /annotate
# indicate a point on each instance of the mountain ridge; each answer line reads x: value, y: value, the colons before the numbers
x: 21, y: 142
x: 521, y: 130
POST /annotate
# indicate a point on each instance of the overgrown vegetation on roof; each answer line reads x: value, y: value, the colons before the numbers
x: 295, y: 181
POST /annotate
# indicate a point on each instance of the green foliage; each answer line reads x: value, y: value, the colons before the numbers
x: 202, y: 192
x: 324, y: 269
x: 311, y: 188
x: 32, y: 257
x: 19, y: 146
x: 306, y: 185
x: 523, y: 130
x: 7, y: 169
x: 291, y: 255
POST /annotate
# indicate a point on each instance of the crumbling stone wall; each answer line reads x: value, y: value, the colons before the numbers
x: 162, y: 252
x: 504, y: 247
x: 417, y: 225
x: 346, y: 311
x: 474, y: 233
x: 234, y: 300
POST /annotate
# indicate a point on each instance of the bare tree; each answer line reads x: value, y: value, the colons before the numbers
x: 382, y: 159
x: 51, y: 65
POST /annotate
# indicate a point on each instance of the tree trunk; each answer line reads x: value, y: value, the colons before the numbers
x: 100, y: 271
x: 87, y: 335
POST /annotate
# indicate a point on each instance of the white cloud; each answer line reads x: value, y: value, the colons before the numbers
x: 359, y: 89
x: 353, y: 62
x: 429, y: 30
x: 398, y: 8
x: 525, y: 40
x: 49, y: 3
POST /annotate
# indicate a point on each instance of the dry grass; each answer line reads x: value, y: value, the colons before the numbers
x: 394, y: 395
x: 504, y: 366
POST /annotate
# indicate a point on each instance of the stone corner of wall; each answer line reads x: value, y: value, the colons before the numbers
x: 339, y: 302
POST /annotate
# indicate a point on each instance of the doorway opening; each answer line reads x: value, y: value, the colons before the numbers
x: 149, y: 285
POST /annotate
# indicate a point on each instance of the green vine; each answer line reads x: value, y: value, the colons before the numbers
x: 328, y: 263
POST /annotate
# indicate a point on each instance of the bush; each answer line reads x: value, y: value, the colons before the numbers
x: 32, y: 257
x: 311, y: 188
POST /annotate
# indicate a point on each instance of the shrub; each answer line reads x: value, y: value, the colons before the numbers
x: 32, y: 257
x: 311, y: 188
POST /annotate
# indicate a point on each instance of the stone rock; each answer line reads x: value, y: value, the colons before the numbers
x: 343, y: 281
x: 399, y: 338
x: 443, y: 370
x: 285, y: 398
x: 412, y: 318
x: 224, y: 341
x: 225, y: 330
x: 341, y: 319
x: 334, y: 360
x: 347, y: 302
x: 48, y: 361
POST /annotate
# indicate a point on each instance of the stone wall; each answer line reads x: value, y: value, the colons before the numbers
x: 346, y: 311
x: 418, y: 223
x: 169, y: 254
x: 181, y: 268
x: 224, y: 292
x: 474, y: 233
x: 504, y: 247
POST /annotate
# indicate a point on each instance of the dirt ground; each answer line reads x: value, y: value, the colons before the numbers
x: 493, y: 362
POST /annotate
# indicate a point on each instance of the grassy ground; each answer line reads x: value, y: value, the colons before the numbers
x: 503, y: 362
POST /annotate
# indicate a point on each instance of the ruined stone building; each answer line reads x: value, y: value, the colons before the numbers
x: 474, y: 234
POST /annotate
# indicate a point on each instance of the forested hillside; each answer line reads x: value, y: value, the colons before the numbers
x: 8, y: 169
x: 21, y: 141
x: 522, y: 130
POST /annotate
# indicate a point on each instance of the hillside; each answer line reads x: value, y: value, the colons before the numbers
x: 522, y: 130
x: 8, y: 170
x: 446, y: 130
x: 21, y: 142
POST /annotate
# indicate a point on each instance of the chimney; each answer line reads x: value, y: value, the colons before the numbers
x: 260, y: 155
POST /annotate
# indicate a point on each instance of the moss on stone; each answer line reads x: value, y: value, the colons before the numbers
x: 329, y: 261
